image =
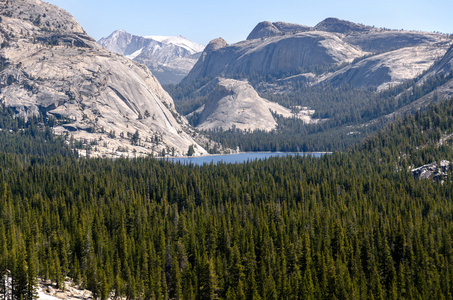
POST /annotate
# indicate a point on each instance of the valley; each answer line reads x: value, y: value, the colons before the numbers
x: 108, y: 189
x: 352, y: 78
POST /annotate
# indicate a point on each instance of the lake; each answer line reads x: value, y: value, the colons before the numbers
x: 238, y: 158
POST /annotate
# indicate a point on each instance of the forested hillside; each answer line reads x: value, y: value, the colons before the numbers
x: 353, y: 225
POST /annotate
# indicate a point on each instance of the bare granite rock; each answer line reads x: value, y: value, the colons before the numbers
x: 387, y: 69
x: 235, y: 104
x: 444, y: 66
x: 341, y: 26
x: 49, y: 65
x: 267, y: 29
x: 433, y: 170
x: 273, y: 55
x: 338, y: 52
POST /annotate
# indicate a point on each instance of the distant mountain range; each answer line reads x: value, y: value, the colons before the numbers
x: 169, y: 58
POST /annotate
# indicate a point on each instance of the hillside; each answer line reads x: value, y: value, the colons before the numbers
x: 115, y: 106
x: 235, y: 104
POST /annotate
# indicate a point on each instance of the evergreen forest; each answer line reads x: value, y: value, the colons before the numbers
x: 348, y: 225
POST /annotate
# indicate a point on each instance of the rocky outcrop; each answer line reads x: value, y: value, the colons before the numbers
x: 235, y: 104
x: 379, y: 41
x: 433, y: 170
x: 267, y: 29
x: 50, y: 66
x: 444, y: 91
x: 341, y: 26
x: 444, y: 66
x: 169, y: 58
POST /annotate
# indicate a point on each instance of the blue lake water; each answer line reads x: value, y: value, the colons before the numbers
x: 238, y: 158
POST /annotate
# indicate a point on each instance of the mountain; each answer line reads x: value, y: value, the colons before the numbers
x: 169, y: 58
x: 341, y: 26
x: 273, y: 55
x: 235, y: 104
x: 337, y: 51
x: 111, y: 104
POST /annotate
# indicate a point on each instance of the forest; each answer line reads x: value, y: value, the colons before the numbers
x: 348, y: 225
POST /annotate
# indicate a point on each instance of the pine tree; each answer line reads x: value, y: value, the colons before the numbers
x: 208, y: 281
x: 3, y: 262
x: 308, y: 289
x: 20, y: 284
x: 32, y: 281
x: 176, y: 283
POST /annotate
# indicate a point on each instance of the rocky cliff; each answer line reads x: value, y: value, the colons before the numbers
x: 169, y: 58
x: 235, y: 104
x: 443, y: 66
x: 114, y: 105
x: 434, y: 171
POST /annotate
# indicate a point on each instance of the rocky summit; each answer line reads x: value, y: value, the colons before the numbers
x: 111, y: 104
x: 169, y: 58
x: 267, y: 29
x: 235, y: 104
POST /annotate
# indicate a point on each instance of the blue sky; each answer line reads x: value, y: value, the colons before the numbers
x: 203, y: 20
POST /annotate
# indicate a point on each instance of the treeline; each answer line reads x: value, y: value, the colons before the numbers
x: 345, y: 226
x: 292, y: 135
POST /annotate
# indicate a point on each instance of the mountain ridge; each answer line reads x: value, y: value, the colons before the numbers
x: 169, y: 58
x: 329, y: 45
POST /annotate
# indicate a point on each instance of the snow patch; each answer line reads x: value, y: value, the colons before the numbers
x: 178, y: 41
x: 135, y: 54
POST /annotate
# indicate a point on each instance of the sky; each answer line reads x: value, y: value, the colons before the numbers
x: 204, y: 20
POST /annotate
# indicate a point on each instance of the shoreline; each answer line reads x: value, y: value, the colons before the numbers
x: 238, y: 153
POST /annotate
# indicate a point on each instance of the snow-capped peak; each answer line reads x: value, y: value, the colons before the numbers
x: 170, y: 58
x: 178, y: 41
